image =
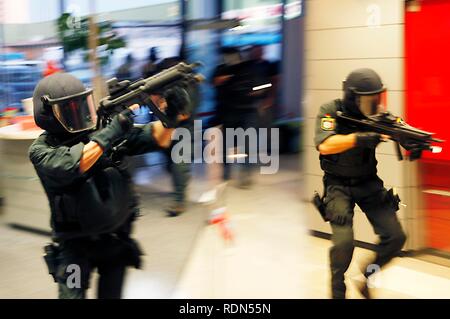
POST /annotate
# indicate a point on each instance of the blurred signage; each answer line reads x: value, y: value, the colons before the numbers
x: 251, y: 39
x: 12, y: 56
x: 255, y: 13
x: 293, y: 10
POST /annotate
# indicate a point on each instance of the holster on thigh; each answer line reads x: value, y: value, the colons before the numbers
x: 338, y: 207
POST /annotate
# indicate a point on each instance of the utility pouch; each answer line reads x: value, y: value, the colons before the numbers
x: 51, y: 259
x: 320, y: 206
x: 393, y: 199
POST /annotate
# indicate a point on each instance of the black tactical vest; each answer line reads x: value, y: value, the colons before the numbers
x: 100, y: 202
x: 357, y: 162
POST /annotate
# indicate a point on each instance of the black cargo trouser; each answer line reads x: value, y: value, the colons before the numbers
x: 369, y: 194
x: 78, y: 258
x: 244, y: 121
x: 180, y: 172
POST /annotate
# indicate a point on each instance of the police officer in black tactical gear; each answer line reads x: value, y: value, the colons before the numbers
x: 347, y: 157
x: 90, y: 192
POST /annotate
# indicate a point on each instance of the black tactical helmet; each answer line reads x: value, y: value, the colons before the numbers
x: 63, y: 105
x: 359, y: 83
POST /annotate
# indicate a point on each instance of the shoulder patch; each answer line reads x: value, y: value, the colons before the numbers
x: 328, y: 124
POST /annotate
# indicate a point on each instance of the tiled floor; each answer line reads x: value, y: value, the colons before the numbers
x: 271, y: 256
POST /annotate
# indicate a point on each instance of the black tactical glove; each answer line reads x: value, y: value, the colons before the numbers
x: 415, y: 154
x: 119, y: 126
x: 368, y: 139
x: 178, y: 102
x: 408, y: 144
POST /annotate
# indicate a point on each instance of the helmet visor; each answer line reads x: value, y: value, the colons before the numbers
x: 76, y: 113
x: 372, y: 104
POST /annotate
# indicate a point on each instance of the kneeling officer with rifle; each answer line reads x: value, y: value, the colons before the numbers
x: 81, y: 162
x: 347, y: 134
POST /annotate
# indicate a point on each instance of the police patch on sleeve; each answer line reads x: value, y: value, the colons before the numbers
x: 328, y: 124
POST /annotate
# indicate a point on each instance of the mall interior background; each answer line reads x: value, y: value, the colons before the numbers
x: 317, y: 43
x: 29, y: 37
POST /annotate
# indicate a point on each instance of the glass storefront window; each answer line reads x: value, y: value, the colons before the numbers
x: 261, y: 24
x: 142, y: 25
x: 30, y: 42
x: 202, y: 45
x: 140, y: 39
x: 120, y: 5
x: 140, y: 10
x: 27, y: 32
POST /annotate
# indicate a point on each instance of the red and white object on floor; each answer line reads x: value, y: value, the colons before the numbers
x: 219, y: 217
x: 215, y: 200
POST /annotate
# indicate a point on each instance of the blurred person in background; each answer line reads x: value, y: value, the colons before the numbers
x: 348, y: 159
x: 92, y: 201
x: 151, y: 67
x: 173, y: 60
x: 267, y: 73
x: 125, y: 71
x: 236, y: 105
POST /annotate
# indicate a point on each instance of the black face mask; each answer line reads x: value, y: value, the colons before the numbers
x: 350, y: 106
x: 369, y: 105
x: 68, y: 139
x: 360, y: 82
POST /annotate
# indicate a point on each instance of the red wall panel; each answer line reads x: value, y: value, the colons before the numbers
x: 436, y: 176
x: 427, y: 46
x: 427, y: 51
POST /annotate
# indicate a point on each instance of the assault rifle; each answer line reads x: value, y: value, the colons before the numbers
x: 410, y: 138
